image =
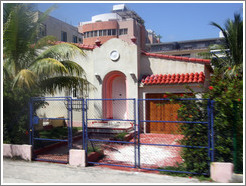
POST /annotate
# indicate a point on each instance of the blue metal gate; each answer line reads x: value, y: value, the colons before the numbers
x: 107, y: 143
x: 51, y: 128
x: 185, y: 142
x: 110, y: 128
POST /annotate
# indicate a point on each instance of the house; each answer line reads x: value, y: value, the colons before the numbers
x: 121, y: 70
x: 119, y: 67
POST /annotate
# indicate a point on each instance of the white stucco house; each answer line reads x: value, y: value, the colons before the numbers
x: 121, y: 70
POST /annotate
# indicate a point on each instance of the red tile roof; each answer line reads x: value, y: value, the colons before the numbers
x: 82, y: 46
x: 197, y: 60
x: 174, y: 78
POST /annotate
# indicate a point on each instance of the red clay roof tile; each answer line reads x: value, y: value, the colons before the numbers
x: 173, y: 78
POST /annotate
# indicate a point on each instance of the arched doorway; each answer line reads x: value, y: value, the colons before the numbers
x: 114, y: 87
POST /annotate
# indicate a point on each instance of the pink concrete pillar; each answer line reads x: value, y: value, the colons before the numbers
x: 221, y: 171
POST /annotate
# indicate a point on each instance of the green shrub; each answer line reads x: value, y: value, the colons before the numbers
x: 120, y: 136
x: 16, y: 114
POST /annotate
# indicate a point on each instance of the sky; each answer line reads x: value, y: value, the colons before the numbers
x: 173, y: 21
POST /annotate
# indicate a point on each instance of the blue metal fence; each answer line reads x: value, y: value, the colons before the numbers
x: 149, y: 149
x: 103, y: 138
x: 182, y: 141
x: 124, y: 132
x: 42, y: 137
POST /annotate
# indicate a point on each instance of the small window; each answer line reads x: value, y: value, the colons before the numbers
x: 74, y: 93
x: 75, y: 39
x: 104, y: 32
x: 95, y: 33
x: 42, y: 30
x: 113, y: 32
x: 123, y: 31
x: 109, y: 32
x: 100, y: 32
x: 63, y: 36
x: 80, y: 40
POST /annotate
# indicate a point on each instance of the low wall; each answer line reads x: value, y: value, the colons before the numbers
x: 20, y: 151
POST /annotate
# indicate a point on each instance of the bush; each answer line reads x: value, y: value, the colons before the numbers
x: 228, y: 125
x: 16, y: 114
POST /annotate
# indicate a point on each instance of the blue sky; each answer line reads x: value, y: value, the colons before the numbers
x: 173, y: 21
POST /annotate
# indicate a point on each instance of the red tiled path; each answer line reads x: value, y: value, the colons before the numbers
x: 151, y: 156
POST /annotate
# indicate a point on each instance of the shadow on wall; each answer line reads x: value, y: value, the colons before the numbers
x: 145, y: 68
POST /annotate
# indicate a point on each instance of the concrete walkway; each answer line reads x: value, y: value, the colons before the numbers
x: 17, y: 171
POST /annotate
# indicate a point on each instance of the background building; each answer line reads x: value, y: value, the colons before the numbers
x: 61, y: 30
x: 121, y: 23
x: 189, y: 48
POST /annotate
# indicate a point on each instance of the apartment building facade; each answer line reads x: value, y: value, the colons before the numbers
x: 121, y: 23
x: 60, y: 29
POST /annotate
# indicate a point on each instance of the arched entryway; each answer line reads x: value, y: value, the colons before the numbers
x: 114, y: 87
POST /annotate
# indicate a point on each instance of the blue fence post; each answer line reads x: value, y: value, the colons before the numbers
x: 135, y: 141
x: 209, y: 131
x: 30, y: 124
x: 212, y: 130
x: 138, y: 142
x: 71, y: 122
x: 83, y: 122
x: 86, y: 133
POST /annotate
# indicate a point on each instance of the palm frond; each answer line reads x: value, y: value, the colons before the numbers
x: 25, y: 79
x: 73, y: 68
x: 6, y: 74
x: 43, y: 16
x: 48, y: 67
x: 45, y: 41
x: 59, y: 83
x: 7, y: 8
x: 16, y: 36
x: 61, y: 52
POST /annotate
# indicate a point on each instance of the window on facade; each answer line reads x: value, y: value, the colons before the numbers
x: 100, y: 32
x: 74, y: 92
x: 80, y: 40
x: 42, y: 30
x: 95, y: 33
x: 123, y: 31
x: 104, y: 32
x: 63, y: 36
x: 109, y: 32
x: 75, y: 39
x: 113, y: 32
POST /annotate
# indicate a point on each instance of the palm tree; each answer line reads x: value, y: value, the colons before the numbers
x: 37, y: 64
x: 232, y: 46
x: 32, y: 67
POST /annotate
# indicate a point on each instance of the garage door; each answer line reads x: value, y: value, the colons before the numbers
x: 159, y: 110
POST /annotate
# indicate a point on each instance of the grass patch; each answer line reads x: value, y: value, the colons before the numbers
x: 56, y: 133
x: 93, y: 149
x: 120, y: 136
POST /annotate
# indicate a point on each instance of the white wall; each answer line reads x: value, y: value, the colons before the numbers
x: 151, y: 65
x: 126, y: 64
